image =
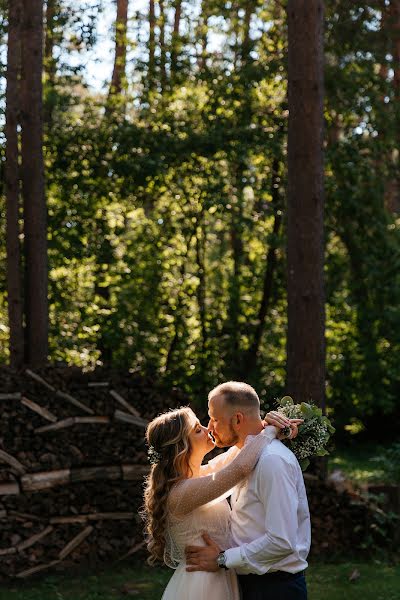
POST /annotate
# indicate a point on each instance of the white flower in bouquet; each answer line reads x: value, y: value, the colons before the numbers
x: 314, y: 432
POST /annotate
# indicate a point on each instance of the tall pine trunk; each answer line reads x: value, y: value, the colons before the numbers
x: 119, y: 70
x: 12, y: 187
x: 152, y: 46
x: 35, y: 238
x: 163, y: 50
x: 305, y: 247
x: 394, y: 12
x: 50, y: 63
x: 252, y: 354
x: 175, y: 41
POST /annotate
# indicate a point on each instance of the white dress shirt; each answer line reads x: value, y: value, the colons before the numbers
x: 270, y: 517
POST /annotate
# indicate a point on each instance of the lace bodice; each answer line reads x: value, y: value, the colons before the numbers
x: 213, y: 518
x: 198, y: 504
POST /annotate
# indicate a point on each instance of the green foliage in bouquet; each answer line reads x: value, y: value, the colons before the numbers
x: 314, y: 432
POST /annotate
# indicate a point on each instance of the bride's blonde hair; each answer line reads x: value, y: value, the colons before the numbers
x: 168, y: 439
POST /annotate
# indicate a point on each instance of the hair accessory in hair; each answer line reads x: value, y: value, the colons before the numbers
x: 153, y: 456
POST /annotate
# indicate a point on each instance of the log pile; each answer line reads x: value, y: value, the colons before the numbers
x: 72, y: 460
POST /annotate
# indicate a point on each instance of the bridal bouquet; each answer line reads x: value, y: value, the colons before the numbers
x: 314, y: 432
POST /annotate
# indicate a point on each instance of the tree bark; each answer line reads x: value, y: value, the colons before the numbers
x: 389, y: 115
x: 250, y: 362
x: 203, y: 36
x: 176, y: 39
x: 246, y: 43
x: 179, y: 306
x: 393, y: 187
x: 50, y: 64
x: 395, y: 27
x: 305, y: 246
x: 201, y: 242
x: 163, y: 53
x: 119, y: 70
x: 12, y: 188
x: 35, y: 238
x: 152, y: 46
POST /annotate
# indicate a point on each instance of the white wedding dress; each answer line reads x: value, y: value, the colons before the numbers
x: 199, y: 505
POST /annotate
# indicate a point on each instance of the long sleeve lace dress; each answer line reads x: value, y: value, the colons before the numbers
x: 199, y: 505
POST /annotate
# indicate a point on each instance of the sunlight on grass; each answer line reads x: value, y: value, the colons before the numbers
x: 361, y: 464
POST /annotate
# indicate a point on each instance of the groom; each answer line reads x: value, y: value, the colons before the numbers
x: 270, y: 518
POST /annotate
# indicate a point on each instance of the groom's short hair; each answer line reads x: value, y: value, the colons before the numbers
x: 237, y: 394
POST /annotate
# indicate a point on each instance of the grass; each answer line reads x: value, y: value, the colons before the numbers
x: 360, y: 463
x: 375, y: 581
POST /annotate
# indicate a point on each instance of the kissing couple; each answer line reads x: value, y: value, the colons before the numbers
x: 256, y: 546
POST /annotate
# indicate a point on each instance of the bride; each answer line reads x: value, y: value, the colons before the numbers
x: 184, y: 499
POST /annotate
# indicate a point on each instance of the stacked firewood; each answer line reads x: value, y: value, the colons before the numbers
x: 72, y: 461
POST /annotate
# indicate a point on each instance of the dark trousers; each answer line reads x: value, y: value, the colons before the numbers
x: 273, y: 586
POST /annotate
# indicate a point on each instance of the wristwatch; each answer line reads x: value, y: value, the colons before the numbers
x: 221, y: 560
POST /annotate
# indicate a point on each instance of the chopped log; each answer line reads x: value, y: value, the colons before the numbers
x: 5, y: 551
x: 33, y: 539
x: 73, y: 421
x: 40, y: 380
x: 124, y: 403
x: 59, y: 425
x: 122, y: 416
x: 94, y: 384
x: 8, y: 489
x: 74, y: 401
x: 118, y: 516
x: 13, y: 514
x: 32, y: 482
x: 43, y: 480
x: 3, y: 514
x: 134, y: 472
x: 43, y: 412
x: 134, y: 549
x: 94, y: 473
x: 13, y: 396
x: 75, y: 542
x: 29, y: 572
x: 73, y: 519
x: 13, y: 462
x: 100, y: 420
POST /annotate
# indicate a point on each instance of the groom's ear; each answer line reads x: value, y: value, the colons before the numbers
x: 238, y: 419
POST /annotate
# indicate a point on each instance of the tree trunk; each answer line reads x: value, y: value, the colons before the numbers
x: 50, y: 64
x: 12, y: 188
x: 119, y: 70
x: 152, y: 46
x: 235, y: 285
x: 35, y: 239
x: 201, y: 298
x: 175, y: 42
x: 179, y: 317
x: 246, y: 43
x: 305, y: 247
x: 163, y: 53
x: 250, y: 362
x: 393, y: 187
x: 395, y: 26
x: 203, y: 36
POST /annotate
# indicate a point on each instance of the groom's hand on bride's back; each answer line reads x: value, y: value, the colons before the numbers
x: 202, y: 558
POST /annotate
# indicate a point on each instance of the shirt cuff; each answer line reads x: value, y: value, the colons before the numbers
x: 234, y: 558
